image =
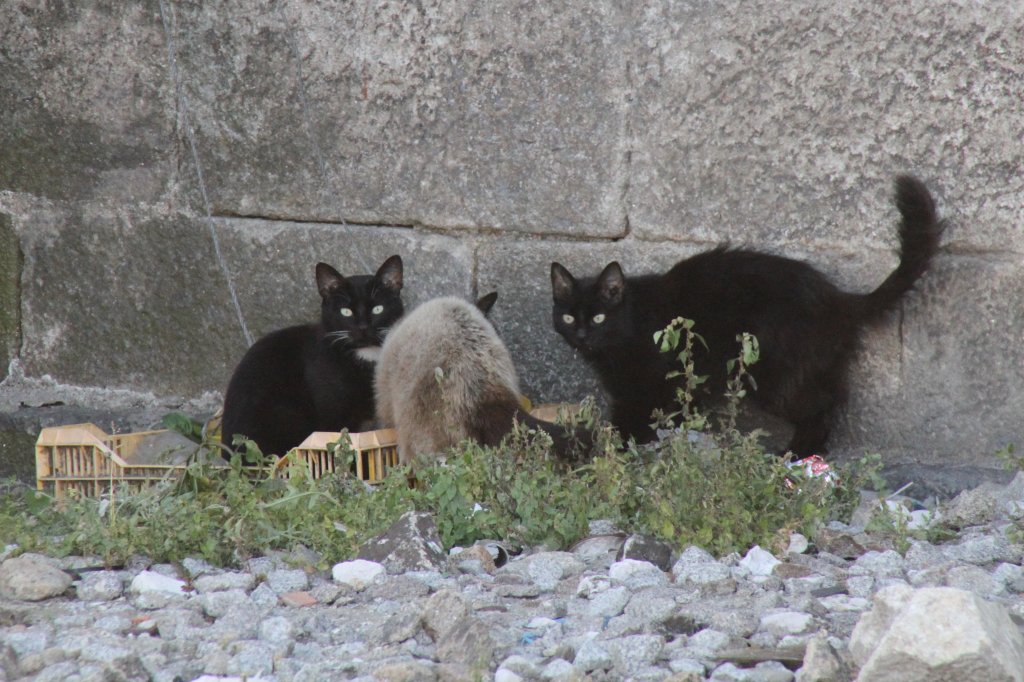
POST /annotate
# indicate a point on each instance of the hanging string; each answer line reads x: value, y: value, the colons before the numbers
x: 183, y: 108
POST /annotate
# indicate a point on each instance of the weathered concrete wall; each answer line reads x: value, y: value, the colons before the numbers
x: 158, y: 156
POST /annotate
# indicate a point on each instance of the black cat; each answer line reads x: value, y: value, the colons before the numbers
x: 316, y: 377
x: 807, y: 328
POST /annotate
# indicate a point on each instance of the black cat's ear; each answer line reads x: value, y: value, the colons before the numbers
x: 563, y: 284
x: 328, y: 280
x: 485, y: 303
x: 611, y: 284
x: 390, y: 274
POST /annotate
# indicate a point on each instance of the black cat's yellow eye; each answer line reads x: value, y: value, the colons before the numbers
x: 568, y: 319
x: 377, y: 309
x: 599, y: 318
x: 346, y: 312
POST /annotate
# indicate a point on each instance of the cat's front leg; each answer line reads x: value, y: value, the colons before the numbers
x: 633, y: 420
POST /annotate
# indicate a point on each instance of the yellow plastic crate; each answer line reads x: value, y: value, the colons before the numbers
x: 83, y: 457
x: 376, y: 452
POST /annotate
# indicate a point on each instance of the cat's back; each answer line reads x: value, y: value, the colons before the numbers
x: 440, y: 331
x: 737, y: 275
x: 280, y: 352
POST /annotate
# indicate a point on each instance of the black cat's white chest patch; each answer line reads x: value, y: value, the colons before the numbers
x: 368, y: 354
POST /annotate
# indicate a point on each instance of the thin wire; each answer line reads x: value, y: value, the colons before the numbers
x: 190, y: 133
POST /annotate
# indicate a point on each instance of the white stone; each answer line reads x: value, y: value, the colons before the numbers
x: 148, y: 581
x: 786, y: 622
x: 936, y: 634
x: 506, y: 675
x: 358, y: 574
x: 798, y: 543
x: 609, y: 603
x: 636, y: 574
x: 592, y: 585
x: 556, y: 670
x: 708, y: 641
x: 759, y: 561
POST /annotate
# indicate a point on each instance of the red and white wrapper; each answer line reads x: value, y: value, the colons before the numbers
x: 813, y: 467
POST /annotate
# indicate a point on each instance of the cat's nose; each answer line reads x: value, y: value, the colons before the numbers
x: 581, y: 334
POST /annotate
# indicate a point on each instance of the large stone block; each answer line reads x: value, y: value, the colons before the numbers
x: 273, y: 263
x: 786, y: 123
x: 946, y: 386
x: 495, y: 115
x: 88, y: 105
x: 140, y: 301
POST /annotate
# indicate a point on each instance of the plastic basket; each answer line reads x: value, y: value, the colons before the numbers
x: 376, y: 452
x: 83, y: 458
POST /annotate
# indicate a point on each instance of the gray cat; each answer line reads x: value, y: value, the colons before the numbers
x: 444, y: 376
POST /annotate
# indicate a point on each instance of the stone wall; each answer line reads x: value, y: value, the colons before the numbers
x: 162, y: 160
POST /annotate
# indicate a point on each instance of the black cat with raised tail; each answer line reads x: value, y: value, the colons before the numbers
x: 316, y: 377
x: 807, y: 328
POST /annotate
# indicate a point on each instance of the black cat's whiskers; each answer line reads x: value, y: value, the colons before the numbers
x: 335, y: 337
x: 320, y: 381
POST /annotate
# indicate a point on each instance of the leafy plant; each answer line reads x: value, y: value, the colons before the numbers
x: 715, y: 488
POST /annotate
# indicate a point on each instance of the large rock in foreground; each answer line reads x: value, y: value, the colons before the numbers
x: 937, y: 634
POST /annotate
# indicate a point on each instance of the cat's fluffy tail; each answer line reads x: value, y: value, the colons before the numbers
x: 919, y: 234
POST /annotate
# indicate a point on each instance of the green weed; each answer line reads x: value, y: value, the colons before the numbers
x: 716, y: 488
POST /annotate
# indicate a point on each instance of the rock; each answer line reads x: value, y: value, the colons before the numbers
x: 759, y: 562
x: 591, y: 585
x: 786, y: 623
x: 821, y: 662
x: 150, y: 582
x: 632, y: 654
x: 547, y: 569
x: 971, y: 507
x: 609, y: 603
x: 228, y: 580
x: 406, y: 671
x: 697, y: 568
x: 100, y: 586
x: 410, y: 544
x: 466, y: 642
x: 636, y: 574
x: 288, y: 580
x: 599, y: 551
x: 443, y: 611
x: 770, y: 671
x: 217, y: 604
x: 709, y: 641
x: 798, y: 544
x: 592, y: 655
x: 647, y: 548
x: 936, y: 634
x: 358, y: 574
x: 888, y: 564
x: 982, y: 549
x: 403, y: 625
x: 479, y: 554
x: 277, y: 629
x: 838, y: 542
x: 32, y: 577
x: 299, y: 599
